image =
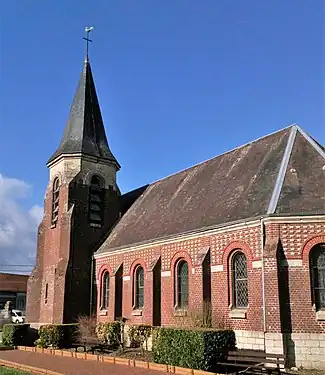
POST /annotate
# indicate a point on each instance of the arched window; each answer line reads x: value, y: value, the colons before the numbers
x: 138, y: 288
x: 317, y: 268
x: 96, y: 207
x: 55, y: 200
x: 105, y: 290
x: 182, y: 284
x: 239, y: 278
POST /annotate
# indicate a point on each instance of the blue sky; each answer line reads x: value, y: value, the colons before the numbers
x: 179, y: 81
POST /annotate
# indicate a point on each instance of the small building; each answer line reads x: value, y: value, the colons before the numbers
x: 240, y: 237
x: 13, y: 288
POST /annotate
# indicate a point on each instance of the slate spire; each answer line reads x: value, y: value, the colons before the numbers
x: 84, y: 132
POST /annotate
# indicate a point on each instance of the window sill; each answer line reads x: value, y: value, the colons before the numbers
x: 180, y: 312
x: 53, y: 225
x: 320, y: 315
x: 137, y: 312
x: 238, y: 313
x: 103, y: 313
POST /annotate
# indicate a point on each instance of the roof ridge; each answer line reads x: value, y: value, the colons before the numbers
x: 282, y: 171
x: 224, y: 153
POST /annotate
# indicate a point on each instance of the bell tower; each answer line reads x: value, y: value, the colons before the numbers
x: 81, y: 205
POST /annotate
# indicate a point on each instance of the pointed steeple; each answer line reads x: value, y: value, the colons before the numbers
x: 84, y: 132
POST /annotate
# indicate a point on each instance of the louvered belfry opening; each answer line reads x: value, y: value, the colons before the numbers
x: 96, y: 200
x: 55, y: 201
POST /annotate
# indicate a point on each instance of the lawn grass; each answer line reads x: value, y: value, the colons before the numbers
x: 11, y: 371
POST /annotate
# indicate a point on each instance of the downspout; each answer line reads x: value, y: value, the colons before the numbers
x: 263, y: 279
x: 91, y: 286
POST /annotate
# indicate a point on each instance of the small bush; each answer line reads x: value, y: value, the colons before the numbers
x: 110, y: 333
x: 57, y: 335
x: 199, y: 349
x: 86, y: 327
x: 15, y: 334
x: 139, y: 335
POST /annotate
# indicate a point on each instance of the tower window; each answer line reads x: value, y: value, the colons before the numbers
x: 96, y: 202
x: 55, y: 201
x: 46, y: 292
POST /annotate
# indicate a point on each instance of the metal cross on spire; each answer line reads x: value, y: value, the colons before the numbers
x: 88, y: 30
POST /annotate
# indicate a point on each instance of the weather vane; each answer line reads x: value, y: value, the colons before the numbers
x: 88, y: 30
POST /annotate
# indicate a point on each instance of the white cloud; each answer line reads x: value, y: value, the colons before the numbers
x: 18, y: 226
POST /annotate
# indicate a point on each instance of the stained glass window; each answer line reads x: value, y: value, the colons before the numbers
x: 139, y: 287
x: 317, y: 263
x: 105, y: 290
x: 182, y: 284
x: 240, y: 285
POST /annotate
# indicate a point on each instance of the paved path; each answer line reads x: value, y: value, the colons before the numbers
x: 71, y: 366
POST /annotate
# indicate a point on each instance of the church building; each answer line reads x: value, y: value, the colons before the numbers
x: 238, y: 239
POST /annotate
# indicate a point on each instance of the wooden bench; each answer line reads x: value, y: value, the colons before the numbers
x: 255, y: 362
x: 92, y: 344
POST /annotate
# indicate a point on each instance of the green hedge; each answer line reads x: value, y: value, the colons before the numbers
x: 15, y: 334
x: 199, y: 349
x: 57, y: 335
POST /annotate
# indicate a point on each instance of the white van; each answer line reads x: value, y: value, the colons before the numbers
x: 17, y: 316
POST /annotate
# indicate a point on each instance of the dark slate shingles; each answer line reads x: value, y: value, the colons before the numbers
x: 303, y: 190
x: 84, y: 131
x: 227, y: 188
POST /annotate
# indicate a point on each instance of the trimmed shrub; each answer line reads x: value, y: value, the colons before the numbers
x: 15, y: 334
x: 110, y: 333
x: 139, y: 335
x: 199, y: 349
x: 57, y: 335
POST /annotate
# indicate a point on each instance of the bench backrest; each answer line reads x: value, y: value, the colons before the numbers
x: 251, y: 356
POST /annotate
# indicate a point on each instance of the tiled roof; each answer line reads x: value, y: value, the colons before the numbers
x: 281, y: 173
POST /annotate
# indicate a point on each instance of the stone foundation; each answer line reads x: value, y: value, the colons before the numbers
x: 307, y: 350
x: 249, y: 340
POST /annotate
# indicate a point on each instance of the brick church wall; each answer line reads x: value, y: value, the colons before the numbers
x: 290, y: 320
x: 64, y: 254
x: 48, y: 254
x: 246, y: 239
x: 304, y: 332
